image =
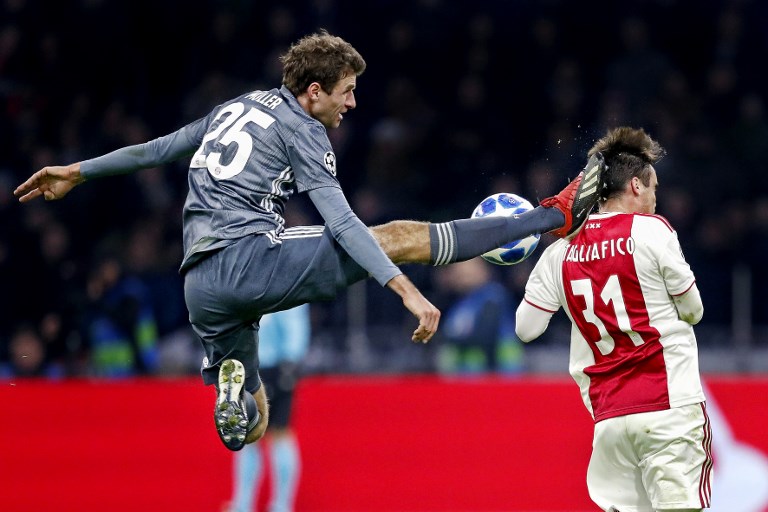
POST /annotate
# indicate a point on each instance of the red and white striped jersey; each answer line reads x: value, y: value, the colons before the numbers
x: 615, y: 280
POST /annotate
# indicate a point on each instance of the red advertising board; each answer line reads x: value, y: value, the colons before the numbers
x: 416, y: 443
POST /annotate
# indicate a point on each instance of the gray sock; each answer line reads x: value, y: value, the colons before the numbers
x: 464, y: 239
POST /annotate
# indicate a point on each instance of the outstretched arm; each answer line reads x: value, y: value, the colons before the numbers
x: 55, y: 182
x: 50, y: 182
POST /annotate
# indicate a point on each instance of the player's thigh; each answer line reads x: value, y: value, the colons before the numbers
x: 675, y: 448
x: 226, y: 294
x: 264, y: 273
x: 213, y: 296
x: 312, y: 267
x: 613, y: 476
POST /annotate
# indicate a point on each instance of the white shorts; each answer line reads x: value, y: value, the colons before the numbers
x: 653, y: 460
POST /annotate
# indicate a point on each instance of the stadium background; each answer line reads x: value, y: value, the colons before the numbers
x: 460, y: 99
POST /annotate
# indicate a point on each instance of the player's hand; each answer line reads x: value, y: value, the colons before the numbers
x: 428, y: 315
x: 50, y: 182
x: 419, y: 306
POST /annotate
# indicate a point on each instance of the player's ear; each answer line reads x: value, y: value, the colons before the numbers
x: 313, y: 91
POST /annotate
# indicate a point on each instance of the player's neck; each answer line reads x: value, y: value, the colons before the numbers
x: 305, y: 103
x: 617, y: 206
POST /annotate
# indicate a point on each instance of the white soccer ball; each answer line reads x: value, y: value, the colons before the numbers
x: 506, y: 204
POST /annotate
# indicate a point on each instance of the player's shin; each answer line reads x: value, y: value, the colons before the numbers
x: 464, y: 239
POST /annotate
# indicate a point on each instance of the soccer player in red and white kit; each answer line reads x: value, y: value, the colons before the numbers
x: 632, y: 300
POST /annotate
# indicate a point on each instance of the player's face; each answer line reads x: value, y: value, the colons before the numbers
x: 648, y: 194
x: 331, y: 107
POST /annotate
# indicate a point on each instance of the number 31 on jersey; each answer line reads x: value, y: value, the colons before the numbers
x: 610, y: 295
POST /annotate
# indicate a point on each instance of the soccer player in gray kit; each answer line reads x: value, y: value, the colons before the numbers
x: 249, y: 155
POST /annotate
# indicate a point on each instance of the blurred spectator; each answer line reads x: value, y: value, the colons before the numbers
x: 478, y: 328
x: 120, y: 325
x: 28, y: 356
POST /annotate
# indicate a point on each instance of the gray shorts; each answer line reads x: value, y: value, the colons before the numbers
x: 228, y: 292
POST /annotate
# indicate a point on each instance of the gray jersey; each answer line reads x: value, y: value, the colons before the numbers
x: 251, y: 154
x: 254, y: 153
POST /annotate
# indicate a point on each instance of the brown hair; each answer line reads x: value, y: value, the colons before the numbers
x: 629, y: 152
x: 322, y: 58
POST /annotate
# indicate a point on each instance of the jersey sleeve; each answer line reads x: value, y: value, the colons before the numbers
x: 541, y: 290
x: 662, y: 240
x: 676, y: 271
x: 352, y: 234
x: 181, y: 143
x: 312, y: 158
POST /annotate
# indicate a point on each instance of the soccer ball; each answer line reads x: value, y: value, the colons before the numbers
x: 506, y: 204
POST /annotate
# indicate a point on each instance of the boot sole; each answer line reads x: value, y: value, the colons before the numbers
x: 229, y: 414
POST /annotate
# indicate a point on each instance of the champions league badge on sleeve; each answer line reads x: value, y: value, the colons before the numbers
x: 330, y: 162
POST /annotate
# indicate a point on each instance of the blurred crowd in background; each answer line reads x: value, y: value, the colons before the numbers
x: 460, y: 100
